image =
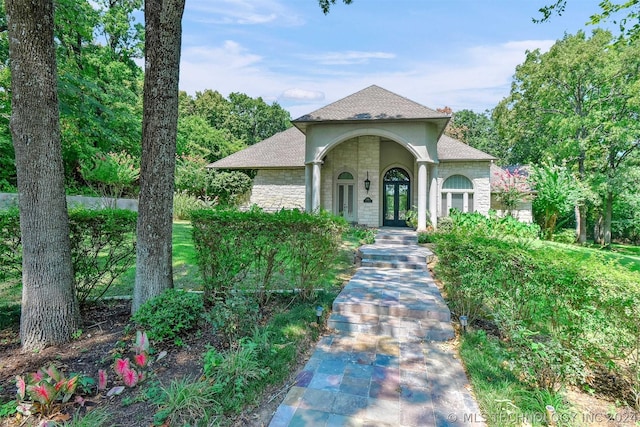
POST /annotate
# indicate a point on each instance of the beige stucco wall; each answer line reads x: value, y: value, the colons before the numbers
x: 478, y: 173
x: 274, y: 189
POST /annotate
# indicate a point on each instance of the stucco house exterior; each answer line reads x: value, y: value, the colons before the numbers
x: 370, y: 157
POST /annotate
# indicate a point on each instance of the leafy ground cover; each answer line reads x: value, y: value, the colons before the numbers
x: 215, y: 368
x: 550, y: 324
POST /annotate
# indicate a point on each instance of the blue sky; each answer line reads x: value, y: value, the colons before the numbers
x: 458, y: 53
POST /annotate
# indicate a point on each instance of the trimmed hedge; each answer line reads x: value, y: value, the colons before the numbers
x: 255, y: 247
x: 102, y: 248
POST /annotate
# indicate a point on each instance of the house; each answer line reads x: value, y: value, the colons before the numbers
x: 369, y: 157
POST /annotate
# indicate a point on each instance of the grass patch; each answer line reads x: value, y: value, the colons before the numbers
x: 504, y: 400
x: 626, y: 255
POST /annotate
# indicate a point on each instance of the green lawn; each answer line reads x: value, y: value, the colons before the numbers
x: 185, y: 268
x: 626, y: 255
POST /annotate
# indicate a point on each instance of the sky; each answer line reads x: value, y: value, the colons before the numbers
x: 456, y: 53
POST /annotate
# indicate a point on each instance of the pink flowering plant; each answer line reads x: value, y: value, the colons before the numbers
x: 130, y: 372
x: 42, y: 391
x: 511, y: 187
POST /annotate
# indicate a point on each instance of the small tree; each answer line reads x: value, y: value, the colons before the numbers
x: 110, y: 174
x: 557, y: 192
x: 511, y: 188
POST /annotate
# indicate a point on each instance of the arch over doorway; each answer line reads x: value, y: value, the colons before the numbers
x: 396, y: 190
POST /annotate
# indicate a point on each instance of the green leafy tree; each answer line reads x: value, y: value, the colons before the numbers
x: 111, y: 174
x: 556, y: 193
x: 577, y: 104
x: 197, y: 137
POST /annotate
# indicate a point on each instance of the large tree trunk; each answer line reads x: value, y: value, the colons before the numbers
x: 49, y: 307
x: 581, y: 209
x: 163, y: 35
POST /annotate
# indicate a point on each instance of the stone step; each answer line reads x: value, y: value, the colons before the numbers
x: 395, y: 239
x: 394, y: 264
x: 416, y: 310
x: 396, y: 327
x: 386, y: 256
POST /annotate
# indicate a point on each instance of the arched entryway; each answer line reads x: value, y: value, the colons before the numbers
x: 396, y: 188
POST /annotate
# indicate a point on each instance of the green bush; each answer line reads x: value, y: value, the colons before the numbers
x: 170, y: 315
x: 565, y: 235
x: 102, y: 248
x: 558, y: 310
x: 253, y: 247
x: 234, y: 317
x: 184, y: 204
x: 10, y: 245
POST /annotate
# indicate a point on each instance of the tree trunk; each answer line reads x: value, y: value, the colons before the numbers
x: 581, y: 209
x: 50, y: 312
x: 608, y: 208
x: 163, y: 34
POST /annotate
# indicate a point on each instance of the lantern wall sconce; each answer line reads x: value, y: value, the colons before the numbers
x: 367, y: 183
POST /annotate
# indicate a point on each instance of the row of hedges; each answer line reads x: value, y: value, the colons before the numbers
x: 566, y: 317
x: 287, y: 249
x: 102, y: 248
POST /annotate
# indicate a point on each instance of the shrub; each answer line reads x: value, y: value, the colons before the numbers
x: 10, y: 245
x: 251, y: 247
x: 102, y: 248
x: 565, y: 235
x: 184, y: 204
x: 234, y: 317
x: 170, y: 315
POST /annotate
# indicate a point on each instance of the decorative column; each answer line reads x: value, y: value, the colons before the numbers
x: 315, y: 187
x: 433, y: 195
x: 308, y: 179
x: 422, y: 195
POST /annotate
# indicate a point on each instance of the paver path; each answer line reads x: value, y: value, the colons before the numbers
x: 388, y: 362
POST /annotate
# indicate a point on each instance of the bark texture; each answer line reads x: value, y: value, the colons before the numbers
x: 163, y: 36
x: 49, y: 308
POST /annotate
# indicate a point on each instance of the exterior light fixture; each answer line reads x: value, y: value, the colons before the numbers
x: 463, y: 322
x: 319, y: 311
x: 367, y: 183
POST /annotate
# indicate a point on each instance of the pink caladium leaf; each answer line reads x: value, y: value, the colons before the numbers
x: 102, y: 379
x: 122, y: 365
x: 35, y: 377
x: 72, y: 383
x: 142, y: 342
x: 141, y: 359
x: 53, y: 372
x: 130, y: 378
x: 44, y: 392
x: 22, y: 387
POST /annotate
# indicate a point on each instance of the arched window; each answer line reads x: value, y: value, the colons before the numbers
x: 345, y: 175
x: 457, y: 193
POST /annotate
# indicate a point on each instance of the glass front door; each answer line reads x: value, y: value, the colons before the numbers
x: 397, y: 197
x: 346, y: 201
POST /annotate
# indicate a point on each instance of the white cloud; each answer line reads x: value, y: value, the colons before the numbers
x: 302, y: 94
x: 347, y: 58
x: 243, y: 12
x: 477, y: 77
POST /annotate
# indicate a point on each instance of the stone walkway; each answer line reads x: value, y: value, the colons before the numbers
x: 388, y: 362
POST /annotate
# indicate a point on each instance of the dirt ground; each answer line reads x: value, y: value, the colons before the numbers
x: 104, y: 328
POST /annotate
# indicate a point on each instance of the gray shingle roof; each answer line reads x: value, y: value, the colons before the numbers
x: 282, y: 150
x: 372, y: 103
x: 286, y: 150
x: 450, y: 149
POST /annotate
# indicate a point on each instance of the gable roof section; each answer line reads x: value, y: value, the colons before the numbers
x: 372, y: 103
x: 283, y: 150
x: 452, y: 150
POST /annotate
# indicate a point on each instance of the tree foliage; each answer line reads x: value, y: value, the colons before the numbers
x: 577, y: 104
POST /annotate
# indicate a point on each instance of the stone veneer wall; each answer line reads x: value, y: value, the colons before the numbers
x: 478, y: 173
x: 358, y: 156
x: 274, y: 189
x: 524, y: 212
